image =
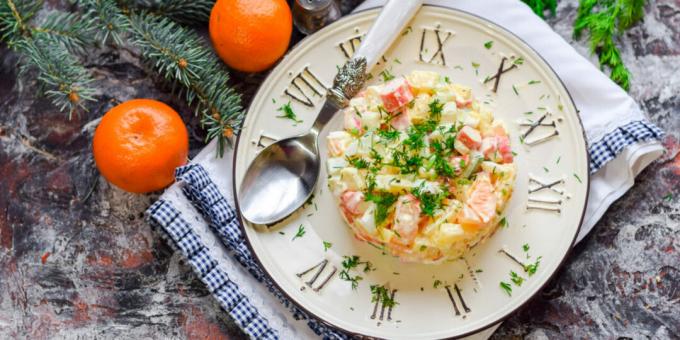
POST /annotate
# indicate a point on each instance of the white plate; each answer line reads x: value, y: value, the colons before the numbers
x: 469, y: 298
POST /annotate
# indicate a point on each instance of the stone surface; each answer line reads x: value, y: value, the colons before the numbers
x: 77, y: 259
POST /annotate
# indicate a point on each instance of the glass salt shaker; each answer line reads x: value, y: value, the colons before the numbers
x: 310, y: 16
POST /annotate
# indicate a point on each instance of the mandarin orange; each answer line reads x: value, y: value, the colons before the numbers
x: 138, y: 145
x: 250, y: 35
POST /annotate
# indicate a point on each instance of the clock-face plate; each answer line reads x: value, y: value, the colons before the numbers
x: 304, y: 254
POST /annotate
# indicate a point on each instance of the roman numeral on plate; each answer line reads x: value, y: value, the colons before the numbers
x: 264, y: 140
x: 497, y: 77
x: 304, y: 87
x: 440, y: 39
x: 545, y: 123
x: 380, y: 303
x: 466, y: 309
x: 319, y: 267
x: 538, y: 201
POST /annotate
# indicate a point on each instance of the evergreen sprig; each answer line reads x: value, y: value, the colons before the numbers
x: 177, y: 54
x: 182, y: 58
x: 187, y: 12
x: 107, y: 18
x: 66, y: 29
x: 46, y: 46
x: 605, y: 20
x: 64, y: 80
x: 540, y: 6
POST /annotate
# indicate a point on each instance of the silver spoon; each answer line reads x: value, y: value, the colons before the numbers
x: 282, y: 177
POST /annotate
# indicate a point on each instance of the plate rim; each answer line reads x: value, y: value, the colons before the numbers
x: 522, y: 305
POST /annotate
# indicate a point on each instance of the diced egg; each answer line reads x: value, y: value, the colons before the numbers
x: 367, y: 220
x: 423, y: 81
x: 335, y: 164
x: 421, y: 109
x: 370, y: 120
x: 338, y: 142
x: 352, y: 179
x: 447, y: 234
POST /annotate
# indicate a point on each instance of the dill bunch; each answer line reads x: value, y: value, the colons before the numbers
x: 605, y: 21
x: 540, y: 6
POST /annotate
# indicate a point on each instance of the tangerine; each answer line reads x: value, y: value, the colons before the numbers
x: 250, y: 35
x: 138, y: 145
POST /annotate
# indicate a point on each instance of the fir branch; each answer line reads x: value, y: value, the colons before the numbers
x: 14, y: 18
x: 540, y: 6
x: 181, y: 57
x: 108, y: 18
x: 66, y: 29
x: 606, y: 20
x: 64, y: 80
x: 188, y: 12
x: 45, y: 49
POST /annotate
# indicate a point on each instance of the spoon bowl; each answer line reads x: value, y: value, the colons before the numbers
x: 280, y: 179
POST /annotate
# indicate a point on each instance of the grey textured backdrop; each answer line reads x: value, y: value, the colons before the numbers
x: 77, y: 259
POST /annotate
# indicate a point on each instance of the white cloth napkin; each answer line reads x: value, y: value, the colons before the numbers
x: 621, y: 140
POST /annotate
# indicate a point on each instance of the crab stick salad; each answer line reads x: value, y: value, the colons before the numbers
x: 420, y: 169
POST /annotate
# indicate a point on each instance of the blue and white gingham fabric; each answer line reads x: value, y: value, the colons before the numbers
x: 614, y: 142
x: 203, y: 193
x: 178, y: 231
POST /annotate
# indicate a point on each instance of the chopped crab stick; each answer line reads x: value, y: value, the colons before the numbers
x: 396, y: 94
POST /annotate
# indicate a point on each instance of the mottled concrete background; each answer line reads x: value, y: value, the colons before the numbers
x: 77, y: 259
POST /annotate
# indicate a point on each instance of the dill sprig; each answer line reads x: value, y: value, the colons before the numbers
x: 540, y: 6
x: 606, y: 20
x: 382, y: 293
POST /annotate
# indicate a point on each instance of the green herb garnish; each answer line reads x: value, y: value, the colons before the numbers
x: 380, y: 293
x: 352, y: 262
x: 503, y: 222
x: 387, y: 75
x: 436, y: 109
x: 429, y: 202
x: 436, y: 283
x: 300, y: 232
x: 577, y: 178
x: 531, y: 268
x: 516, y: 279
x: 506, y: 287
x: 389, y: 134
x: 358, y: 162
x: 488, y: 44
x: 327, y: 245
x: 288, y: 113
x: 383, y: 202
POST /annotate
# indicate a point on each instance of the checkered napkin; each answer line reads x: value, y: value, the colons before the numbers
x: 196, y: 214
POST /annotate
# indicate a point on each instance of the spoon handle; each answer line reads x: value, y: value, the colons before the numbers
x: 389, y: 25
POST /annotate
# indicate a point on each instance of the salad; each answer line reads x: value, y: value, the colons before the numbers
x: 421, y: 168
